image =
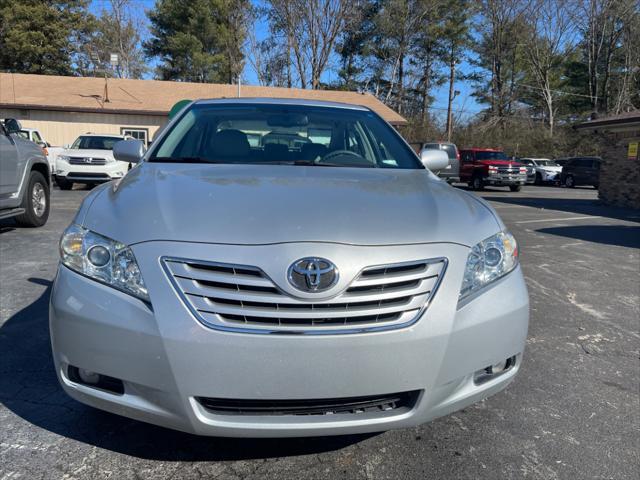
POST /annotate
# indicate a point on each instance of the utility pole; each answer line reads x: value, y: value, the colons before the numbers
x: 452, y: 95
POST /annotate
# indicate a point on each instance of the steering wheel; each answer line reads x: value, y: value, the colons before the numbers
x: 337, y: 153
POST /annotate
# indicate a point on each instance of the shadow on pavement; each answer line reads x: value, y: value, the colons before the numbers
x: 573, y: 205
x: 29, y: 388
x: 7, y: 225
x: 620, y: 235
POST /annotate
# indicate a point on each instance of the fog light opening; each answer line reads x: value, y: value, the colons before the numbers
x: 493, y: 371
x: 92, y: 379
x: 87, y: 376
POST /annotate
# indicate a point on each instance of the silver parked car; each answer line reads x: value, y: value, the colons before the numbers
x: 24, y: 177
x: 327, y: 284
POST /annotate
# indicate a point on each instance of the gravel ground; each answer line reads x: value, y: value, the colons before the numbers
x: 571, y: 413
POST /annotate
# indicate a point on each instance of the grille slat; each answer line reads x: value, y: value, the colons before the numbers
x: 365, y: 278
x: 353, y: 294
x: 328, y: 311
x: 238, y: 296
x: 208, y: 273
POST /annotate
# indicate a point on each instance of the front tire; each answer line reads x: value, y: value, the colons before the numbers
x: 477, y: 183
x: 538, y: 180
x: 63, y: 183
x: 515, y: 188
x: 569, y: 182
x: 35, y: 202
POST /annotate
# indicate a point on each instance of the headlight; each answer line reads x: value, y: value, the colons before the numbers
x: 489, y: 260
x: 102, y: 259
x: 64, y: 158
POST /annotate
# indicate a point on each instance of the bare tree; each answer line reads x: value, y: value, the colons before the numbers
x: 548, y: 39
x: 309, y: 30
x: 498, y: 51
x: 120, y: 31
x: 268, y: 57
x: 630, y: 68
x: 602, y: 24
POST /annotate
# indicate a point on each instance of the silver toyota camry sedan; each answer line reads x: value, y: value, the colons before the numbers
x: 274, y: 268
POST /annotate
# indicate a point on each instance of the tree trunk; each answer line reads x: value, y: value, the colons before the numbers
x: 400, y: 82
x: 425, y: 94
x: 452, y: 73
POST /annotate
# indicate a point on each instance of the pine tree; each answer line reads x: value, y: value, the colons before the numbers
x: 199, y: 40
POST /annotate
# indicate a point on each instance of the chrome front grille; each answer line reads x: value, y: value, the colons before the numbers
x: 508, y: 170
x: 244, y: 298
x: 87, y: 161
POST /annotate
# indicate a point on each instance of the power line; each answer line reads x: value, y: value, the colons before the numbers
x: 557, y: 91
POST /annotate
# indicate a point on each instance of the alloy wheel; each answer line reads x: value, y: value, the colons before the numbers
x: 38, y: 199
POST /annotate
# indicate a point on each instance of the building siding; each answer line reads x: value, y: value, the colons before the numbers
x: 61, y: 128
x: 619, y: 175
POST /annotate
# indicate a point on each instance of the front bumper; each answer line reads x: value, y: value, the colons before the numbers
x: 506, y: 179
x: 549, y: 176
x: 90, y: 173
x: 167, y: 359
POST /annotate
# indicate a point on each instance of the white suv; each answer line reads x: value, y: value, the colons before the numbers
x: 89, y: 160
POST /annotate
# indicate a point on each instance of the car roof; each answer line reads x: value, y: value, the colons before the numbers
x: 482, y: 149
x: 280, y: 101
x: 102, y: 135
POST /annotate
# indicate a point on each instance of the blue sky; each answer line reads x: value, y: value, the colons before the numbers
x: 464, y: 104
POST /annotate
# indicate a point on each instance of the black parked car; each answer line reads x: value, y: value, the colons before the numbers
x: 581, y: 171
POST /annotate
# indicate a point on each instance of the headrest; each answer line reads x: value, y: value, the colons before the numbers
x: 276, y: 151
x: 230, y: 143
x: 311, y: 151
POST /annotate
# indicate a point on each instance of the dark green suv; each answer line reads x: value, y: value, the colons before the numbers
x: 581, y: 171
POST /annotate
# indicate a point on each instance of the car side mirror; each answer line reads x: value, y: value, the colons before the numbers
x: 434, y: 160
x: 11, y: 125
x: 130, y: 151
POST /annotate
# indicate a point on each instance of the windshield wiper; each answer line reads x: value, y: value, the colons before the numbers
x: 183, y: 160
x: 320, y: 163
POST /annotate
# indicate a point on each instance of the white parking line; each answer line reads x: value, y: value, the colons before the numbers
x: 558, y: 219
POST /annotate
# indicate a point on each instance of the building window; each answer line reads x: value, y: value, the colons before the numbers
x: 141, y: 134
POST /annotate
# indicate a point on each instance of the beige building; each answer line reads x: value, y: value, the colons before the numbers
x: 620, y: 168
x: 64, y: 107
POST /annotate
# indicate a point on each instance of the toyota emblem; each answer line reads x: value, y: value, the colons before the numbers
x: 312, y: 274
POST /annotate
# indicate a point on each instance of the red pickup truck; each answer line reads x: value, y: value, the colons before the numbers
x: 486, y: 166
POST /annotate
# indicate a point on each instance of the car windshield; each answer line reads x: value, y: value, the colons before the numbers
x: 284, y: 135
x: 94, y: 142
x: 547, y: 163
x: 491, y: 156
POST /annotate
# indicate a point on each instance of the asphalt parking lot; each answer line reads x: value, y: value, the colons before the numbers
x: 571, y: 413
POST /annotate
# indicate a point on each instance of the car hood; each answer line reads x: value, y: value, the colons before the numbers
x: 71, y: 152
x: 263, y: 204
x: 551, y: 169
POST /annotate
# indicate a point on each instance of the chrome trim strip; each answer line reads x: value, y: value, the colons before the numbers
x: 319, y: 331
